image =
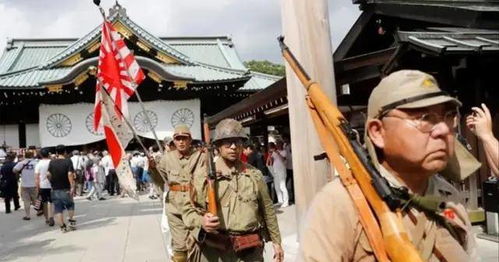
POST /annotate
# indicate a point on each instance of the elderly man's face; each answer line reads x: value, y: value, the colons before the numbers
x: 408, y: 145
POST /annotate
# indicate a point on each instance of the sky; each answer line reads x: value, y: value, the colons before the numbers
x: 253, y: 24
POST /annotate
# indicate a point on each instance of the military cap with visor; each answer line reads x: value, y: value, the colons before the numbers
x: 406, y: 89
x: 181, y: 130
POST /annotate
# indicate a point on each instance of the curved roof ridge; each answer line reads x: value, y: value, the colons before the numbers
x: 72, y: 48
x: 79, y: 44
x: 265, y: 75
x: 145, y: 35
x: 229, y: 70
x: 24, y: 70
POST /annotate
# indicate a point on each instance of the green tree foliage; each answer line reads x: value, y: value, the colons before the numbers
x: 266, y: 67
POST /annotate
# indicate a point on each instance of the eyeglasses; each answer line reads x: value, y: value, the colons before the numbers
x: 228, y: 142
x: 426, y: 122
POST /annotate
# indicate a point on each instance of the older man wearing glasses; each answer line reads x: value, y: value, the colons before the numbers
x: 410, y: 138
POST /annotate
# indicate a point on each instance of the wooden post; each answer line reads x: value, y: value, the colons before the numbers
x: 306, y: 31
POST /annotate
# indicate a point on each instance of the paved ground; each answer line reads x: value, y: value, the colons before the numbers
x: 122, y: 230
x: 111, y: 230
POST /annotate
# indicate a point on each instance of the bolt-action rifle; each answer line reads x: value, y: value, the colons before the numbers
x: 378, y: 206
x: 212, y: 173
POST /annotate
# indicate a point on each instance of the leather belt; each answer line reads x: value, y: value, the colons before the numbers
x: 180, y: 188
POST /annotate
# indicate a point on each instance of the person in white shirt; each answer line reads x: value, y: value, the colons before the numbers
x: 99, y: 179
x: 43, y: 185
x: 79, y: 167
x: 278, y: 155
x: 138, y: 163
x: 112, y: 185
x: 26, y: 168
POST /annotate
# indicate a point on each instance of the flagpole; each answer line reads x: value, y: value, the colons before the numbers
x: 146, y: 151
x: 135, y: 87
x: 124, y: 118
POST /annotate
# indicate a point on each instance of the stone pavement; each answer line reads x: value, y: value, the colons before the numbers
x: 123, y: 230
x: 111, y: 230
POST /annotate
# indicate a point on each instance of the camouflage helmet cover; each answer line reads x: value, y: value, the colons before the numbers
x: 229, y: 128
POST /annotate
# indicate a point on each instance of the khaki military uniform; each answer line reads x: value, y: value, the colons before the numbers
x: 157, y: 180
x: 333, y: 211
x: 177, y: 169
x: 244, y: 207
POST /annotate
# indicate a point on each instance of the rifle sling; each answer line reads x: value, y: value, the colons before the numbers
x: 367, y: 218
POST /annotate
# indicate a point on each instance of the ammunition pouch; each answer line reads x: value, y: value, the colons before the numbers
x: 238, y: 243
x: 244, y: 242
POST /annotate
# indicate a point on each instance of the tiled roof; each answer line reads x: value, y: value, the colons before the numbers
x: 218, y: 51
x: 31, y: 78
x: 27, y: 53
x: 259, y: 81
x: 28, y: 62
x: 452, y: 41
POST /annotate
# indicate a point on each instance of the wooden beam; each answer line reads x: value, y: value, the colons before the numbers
x: 470, y: 16
x: 352, y: 35
x: 371, y: 59
x: 275, y: 91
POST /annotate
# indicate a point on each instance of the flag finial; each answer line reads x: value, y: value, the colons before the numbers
x: 117, y: 8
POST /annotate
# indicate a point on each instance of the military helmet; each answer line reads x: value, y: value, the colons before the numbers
x: 229, y: 128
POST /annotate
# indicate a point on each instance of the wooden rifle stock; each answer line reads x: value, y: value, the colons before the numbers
x: 332, y: 130
x: 212, y: 175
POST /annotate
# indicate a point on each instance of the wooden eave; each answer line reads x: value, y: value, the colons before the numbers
x: 258, y: 103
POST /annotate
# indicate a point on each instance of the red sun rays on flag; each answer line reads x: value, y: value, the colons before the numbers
x: 118, y: 72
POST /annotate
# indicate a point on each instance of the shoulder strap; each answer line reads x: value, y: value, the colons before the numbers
x: 195, y: 163
x: 366, y: 216
x: 22, y: 168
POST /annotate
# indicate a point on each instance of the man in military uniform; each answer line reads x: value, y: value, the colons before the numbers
x: 245, y: 217
x: 176, y: 166
x: 410, y: 138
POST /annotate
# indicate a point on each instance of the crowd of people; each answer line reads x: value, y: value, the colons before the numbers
x: 276, y: 164
x: 46, y: 181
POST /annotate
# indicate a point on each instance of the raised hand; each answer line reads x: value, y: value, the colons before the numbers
x: 480, y: 122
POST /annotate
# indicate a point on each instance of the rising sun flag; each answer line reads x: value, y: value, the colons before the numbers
x: 117, y: 77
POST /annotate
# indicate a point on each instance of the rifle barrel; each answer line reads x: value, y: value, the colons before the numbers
x: 212, y: 176
x: 396, y: 241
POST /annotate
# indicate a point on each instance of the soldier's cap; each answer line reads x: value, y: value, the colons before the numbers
x: 181, y: 130
x: 406, y: 89
x: 229, y: 128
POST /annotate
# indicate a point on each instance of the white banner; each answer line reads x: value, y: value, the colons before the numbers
x: 72, y: 124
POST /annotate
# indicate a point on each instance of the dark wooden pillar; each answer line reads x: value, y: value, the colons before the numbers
x: 22, y: 135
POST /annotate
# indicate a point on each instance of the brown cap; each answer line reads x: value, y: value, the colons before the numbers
x: 406, y: 89
x: 182, y: 130
x: 229, y: 128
